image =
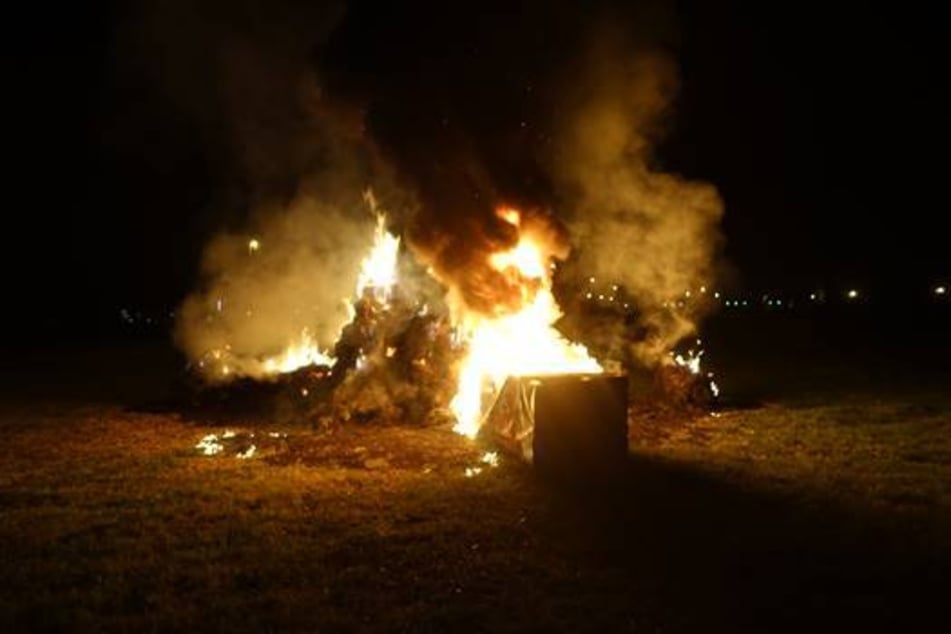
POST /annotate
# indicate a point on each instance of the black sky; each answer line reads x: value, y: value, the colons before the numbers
x: 823, y: 127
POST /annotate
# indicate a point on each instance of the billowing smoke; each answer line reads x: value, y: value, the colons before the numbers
x: 288, y: 280
x: 289, y: 167
x: 633, y: 224
x: 448, y: 115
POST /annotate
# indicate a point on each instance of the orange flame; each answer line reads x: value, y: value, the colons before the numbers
x: 518, y: 343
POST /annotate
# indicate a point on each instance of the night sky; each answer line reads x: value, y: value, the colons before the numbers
x: 823, y: 128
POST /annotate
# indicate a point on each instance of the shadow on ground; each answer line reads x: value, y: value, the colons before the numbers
x: 685, y: 550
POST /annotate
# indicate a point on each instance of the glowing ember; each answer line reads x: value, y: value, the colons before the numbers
x: 519, y: 343
x: 209, y: 445
x: 691, y: 360
x: 247, y: 453
x: 491, y: 458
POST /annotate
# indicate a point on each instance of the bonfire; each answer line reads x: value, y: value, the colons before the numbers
x: 399, y: 359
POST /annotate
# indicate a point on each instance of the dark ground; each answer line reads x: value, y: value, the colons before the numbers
x: 818, y: 500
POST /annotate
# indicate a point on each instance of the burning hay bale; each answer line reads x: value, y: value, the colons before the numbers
x: 393, y: 365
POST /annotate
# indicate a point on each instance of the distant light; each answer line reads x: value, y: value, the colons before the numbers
x: 218, y: 304
x: 852, y: 294
x: 779, y: 302
x: 717, y: 295
x: 812, y: 296
x: 253, y: 245
x: 601, y: 297
x: 614, y: 287
x: 744, y: 302
x: 940, y: 290
x: 588, y: 295
x: 591, y: 280
x: 686, y: 293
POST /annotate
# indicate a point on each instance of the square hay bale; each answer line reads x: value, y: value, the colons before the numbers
x: 566, y: 424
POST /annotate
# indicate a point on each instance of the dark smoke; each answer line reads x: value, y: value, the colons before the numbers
x: 552, y: 109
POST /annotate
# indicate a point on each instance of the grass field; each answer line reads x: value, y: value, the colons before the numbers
x: 830, y: 513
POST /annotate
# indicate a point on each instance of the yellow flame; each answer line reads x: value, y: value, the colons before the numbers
x: 691, y: 360
x: 377, y: 275
x: 299, y: 354
x: 520, y: 343
x: 525, y: 258
x: 510, y: 215
x: 378, y: 270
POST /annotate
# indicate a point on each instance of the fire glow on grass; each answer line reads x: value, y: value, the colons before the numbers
x: 517, y: 343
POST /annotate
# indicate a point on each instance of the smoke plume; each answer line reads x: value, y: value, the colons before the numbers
x: 295, y: 284
x: 653, y: 232
x: 447, y: 118
x: 289, y: 167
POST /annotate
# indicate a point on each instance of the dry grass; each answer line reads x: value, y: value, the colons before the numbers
x: 822, y: 517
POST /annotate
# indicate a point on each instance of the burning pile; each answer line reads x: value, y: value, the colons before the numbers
x: 398, y: 358
x: 455, y: 295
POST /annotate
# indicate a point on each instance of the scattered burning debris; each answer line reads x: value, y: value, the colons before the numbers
x: 240, y: 445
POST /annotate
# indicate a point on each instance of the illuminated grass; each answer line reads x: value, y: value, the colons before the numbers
x: 113, y: 521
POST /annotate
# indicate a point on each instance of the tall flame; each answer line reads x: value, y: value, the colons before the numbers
x: 378, y: 275
x: 378, y: 270
x: 518, y: 343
